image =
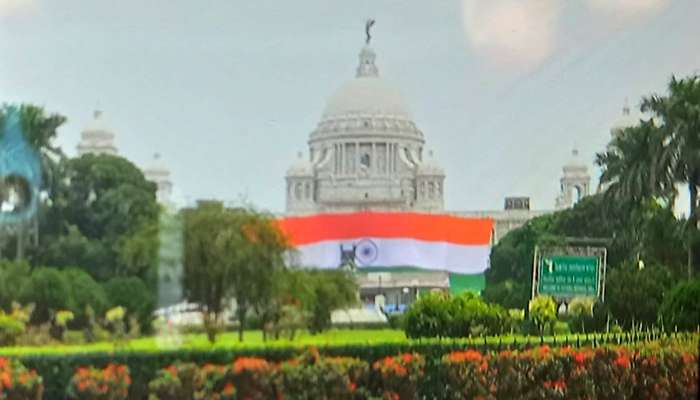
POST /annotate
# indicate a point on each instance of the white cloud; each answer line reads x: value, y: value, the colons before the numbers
x: 629, y: 9
x: 11, y: 8
x: 513, y: 34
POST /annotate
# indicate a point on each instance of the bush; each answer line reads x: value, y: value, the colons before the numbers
x: 13, y: 276
x: 132, y: 294
x: 441, y: 315
x: 635, y: 296
x: 84, y: 292
x: 10, y: 329
x: 681, y: 307
x: 429, y: 316
x: 542, y: 373
x: 176, y: 382
x: 400, y: 376
x: 311, y: 376
x: 543, y: 312
x: 57, y: 369
x: 19, y: 383
x: 110, y: 383
x: 580, y: 313
x: 48, y: 290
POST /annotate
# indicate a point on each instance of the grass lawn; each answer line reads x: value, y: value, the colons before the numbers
x: 253, y: 339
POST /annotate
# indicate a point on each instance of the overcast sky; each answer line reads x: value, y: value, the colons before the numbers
x: 228, y: 91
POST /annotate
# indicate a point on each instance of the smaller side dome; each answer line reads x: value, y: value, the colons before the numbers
x: 430, y: 166
x: 301, y: 168
x: 626, y: 120
x: 575, y: 166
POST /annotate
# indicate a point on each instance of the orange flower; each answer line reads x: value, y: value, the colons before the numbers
x: 622, y: 361
x: 559, y: 384
x: 407, y: 358
x: 352, y: 386
x: 249, y: 364
x: 462, y: 356
x: 579, y: 358
x: 228, y: 389
x: 565, y: 351
x: 6, y: 379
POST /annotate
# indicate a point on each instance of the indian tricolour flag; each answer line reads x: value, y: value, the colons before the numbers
x: 375, y: 239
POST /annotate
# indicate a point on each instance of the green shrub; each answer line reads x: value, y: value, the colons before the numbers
x: 10, y: 329
x: 580, y: 313
x: 19, y: 383
x: 132, y: 294
x: 681, y: 307
x: 48, y: 290
x: 14, y: 275
x: 311, y: 376
x: 176, y: 382
x: 561, y: 328
x: 543, y: 312
x: 85, y: 292
x: 442, y: 315
x: 429, y: 316
x: 635, y: 296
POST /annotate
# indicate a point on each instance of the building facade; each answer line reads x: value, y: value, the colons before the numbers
x: 367, y: 154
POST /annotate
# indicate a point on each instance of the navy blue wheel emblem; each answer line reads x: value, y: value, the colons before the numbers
x: 366, y: 252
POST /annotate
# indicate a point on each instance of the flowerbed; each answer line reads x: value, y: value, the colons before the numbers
x: 665, y: 370
x: 308, y: 376
x: 19, y: 383
x: 565, y: 373
x: 110, y: 383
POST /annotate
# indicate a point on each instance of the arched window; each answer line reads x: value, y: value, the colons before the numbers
x: 365, y: 160
x: 431, y: 190
x: 307, y: 191
x: 297, y: 191
x: 576, y: 194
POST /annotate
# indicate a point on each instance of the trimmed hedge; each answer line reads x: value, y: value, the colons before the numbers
x: 56, y: 371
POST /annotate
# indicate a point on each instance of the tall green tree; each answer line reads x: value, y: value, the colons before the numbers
x: 679, y: 114
x: 104, y: 219
x: 231, y: 254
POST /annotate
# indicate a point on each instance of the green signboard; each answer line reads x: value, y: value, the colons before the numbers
x: 568, y: 276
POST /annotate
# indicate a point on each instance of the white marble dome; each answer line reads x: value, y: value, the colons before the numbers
x: 98, y: 125
x: 301, y: 167
x: 626, y: 120
x: 97, y: 137
x: 430, y: 166
x: 367, y: 96
x: 366, y: 105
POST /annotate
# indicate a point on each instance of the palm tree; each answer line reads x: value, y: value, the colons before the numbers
x: 632, y: 178
x: 679, y: 161
x: 631, y: 170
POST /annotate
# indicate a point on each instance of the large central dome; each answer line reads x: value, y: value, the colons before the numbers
x: 366, y: 153
x: 367, y: 96
x: 367, y: 105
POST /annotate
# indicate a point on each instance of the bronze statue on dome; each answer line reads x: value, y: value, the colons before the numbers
x: 368, y: 26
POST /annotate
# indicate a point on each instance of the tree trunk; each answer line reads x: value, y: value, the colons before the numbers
x: 692, y: 223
